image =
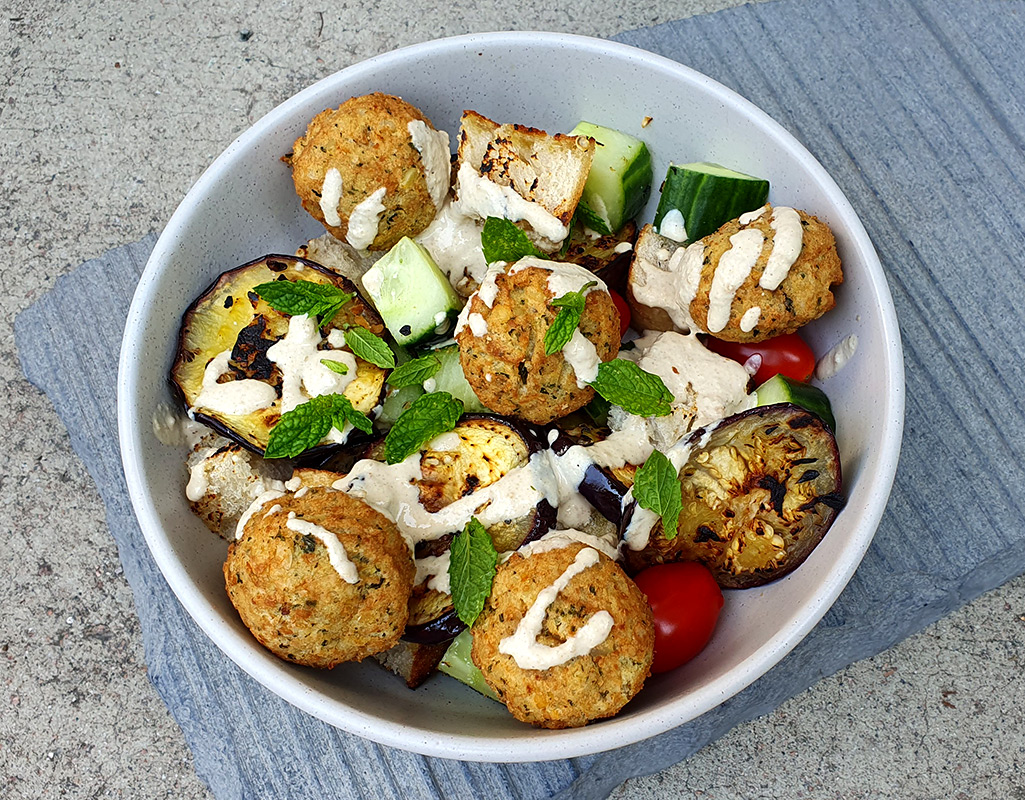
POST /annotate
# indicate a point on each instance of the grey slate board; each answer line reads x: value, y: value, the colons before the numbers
x: 916, y: 108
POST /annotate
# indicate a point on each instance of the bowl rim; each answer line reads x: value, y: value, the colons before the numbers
x: 556, y: 744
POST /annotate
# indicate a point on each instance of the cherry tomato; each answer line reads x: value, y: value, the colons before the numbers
x: 624, y: 312
x: 686, y: 602
x: 787, y: 355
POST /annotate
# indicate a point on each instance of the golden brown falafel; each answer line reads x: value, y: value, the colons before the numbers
x: 503, y: 352
x: 663, y: 296
x: 352, y: 152
x: 591, y: 686
x: 281, y: 579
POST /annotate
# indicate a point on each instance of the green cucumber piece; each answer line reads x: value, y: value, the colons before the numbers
x: 412, y: 295
x: 450, y: 378
x: 397, y: 400
x: 705, y: 196
x: 619, y: 181
x: 781, y: 389
x: 457, y: 663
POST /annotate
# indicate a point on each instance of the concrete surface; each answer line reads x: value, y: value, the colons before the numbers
x: 108, y: 112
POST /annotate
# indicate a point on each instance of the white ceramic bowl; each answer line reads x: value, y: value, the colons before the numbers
x: 244, y: 206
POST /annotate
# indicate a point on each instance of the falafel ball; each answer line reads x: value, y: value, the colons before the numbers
x: 372, y: 170
x: 289, y: 578
x: 803, y: 294
x: 502, y: 342
x: 589, y: 686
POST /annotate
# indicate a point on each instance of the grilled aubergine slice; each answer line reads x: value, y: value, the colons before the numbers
x: 485, y: 447
x: 759, y: 493
x: 231, y: 316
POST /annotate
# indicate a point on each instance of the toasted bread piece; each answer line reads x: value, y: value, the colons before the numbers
x: 547, y: 170
x: 412, y: 662
x: 225, y: 478
x: 650, y: 270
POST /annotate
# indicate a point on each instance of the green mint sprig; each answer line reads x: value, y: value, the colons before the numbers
x: 571, y: 309
x: 637, y: 392
x: 657, y: 488
x: 501, y: 240
x: 322, y: 300
x: 591, y: 219
x: 370, y: 347
x: 471, y: 570
x: 306, y: 425
x: 428, y: 416
x: 335, y: 366
x: 415, y: 372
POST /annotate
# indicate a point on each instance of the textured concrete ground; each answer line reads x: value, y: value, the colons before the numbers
x: 108, y: 113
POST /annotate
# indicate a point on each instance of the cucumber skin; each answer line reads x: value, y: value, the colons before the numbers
x: 703, y: 201
x: 781, y: 389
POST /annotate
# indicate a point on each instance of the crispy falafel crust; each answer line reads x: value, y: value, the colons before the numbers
x: 293, y: 600
x: 507, y: 366
x: 805, y: 294
x: 585, y: 688
x: 367, y: 140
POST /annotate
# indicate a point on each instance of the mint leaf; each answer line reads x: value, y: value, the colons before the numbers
x: 428, y: 416
x: 471, y: 570
x: 335, y: 366
x: 306, y: 425
x: 370, y: 347
x: 657, y: 488
x: 304, y: 297
x: 501, y: 240
x: 624, y: 384
x: 415, y: 372
x: 571, y: 308
x: 598, y: 409
x: 591, y: 219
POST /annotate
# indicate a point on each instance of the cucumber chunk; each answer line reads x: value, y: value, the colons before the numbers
x: 780, y: 389
x: 457, y: 663
x: 450, y: 378
x: 698, y: 199
x: 412, y: 295
x: 619, y: 181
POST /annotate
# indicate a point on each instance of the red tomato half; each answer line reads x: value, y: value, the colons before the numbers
x: 787, y: 355
x: 686, y: 602
x: 624, y: 312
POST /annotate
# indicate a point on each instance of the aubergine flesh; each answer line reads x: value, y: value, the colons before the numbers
x: 600, y: 255
x: 230, y: 316
x: 758, y: 496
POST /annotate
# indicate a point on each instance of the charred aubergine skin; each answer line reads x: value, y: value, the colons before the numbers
x: 229, y: 315
x: 758, y: 496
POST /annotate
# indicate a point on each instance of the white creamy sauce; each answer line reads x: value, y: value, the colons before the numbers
x: 453, y: 240
x: 478, y: 325
x: 751, y: 216
x: 788, y: 237
x: 318, y: 379
x: 294, y: 483
x: 673, y: 226
x: 364, y: 219
x: 563, y: 276
x: 671, y: 283
x: 174, y: 429
x: 290, y: 353
x: 482, y: 198
x: 234, y: 397
x: 391, y: 489
x: 433, y: 147
x: 523, y: 645
x: 274, y: 509
x: 434, y: 570
x: 335, y: 550
x: 199, y: 482
x: 430, y: 385
x: 623, y: 247
x: 581, y: 354
x: 835, y: 360
x: 750, y: 319
x: 330, y: 196
x: 445, y: 442
x: 559, y: 538
x: 261, y: 500
x: 734, y: 267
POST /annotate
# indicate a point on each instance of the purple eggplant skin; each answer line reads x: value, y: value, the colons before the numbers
x: 442, y: 628
x: 599, y: 487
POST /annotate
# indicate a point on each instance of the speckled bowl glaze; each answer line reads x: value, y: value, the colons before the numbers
x: 244, y: 206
